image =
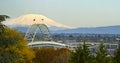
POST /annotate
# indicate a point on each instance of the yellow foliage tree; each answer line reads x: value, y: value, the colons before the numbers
x: 51, y: 55
x: 13, y: 48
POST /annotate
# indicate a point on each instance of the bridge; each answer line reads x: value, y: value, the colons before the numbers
x: 38, y: 36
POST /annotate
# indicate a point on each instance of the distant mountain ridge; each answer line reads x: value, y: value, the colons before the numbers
x: 92, y: 30
x: 95, y: 30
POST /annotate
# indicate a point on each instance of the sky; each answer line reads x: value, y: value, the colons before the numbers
x: 76, y: 13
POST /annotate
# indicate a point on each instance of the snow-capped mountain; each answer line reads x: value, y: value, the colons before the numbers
x: 23, y: 22
x: 30, y: 19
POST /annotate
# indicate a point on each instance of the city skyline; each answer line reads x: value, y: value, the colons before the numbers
x: 77, y: 13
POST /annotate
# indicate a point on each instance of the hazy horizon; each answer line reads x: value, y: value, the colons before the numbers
x: 76, y: 13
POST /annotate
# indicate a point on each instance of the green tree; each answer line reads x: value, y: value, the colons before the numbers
x: 13, y: 48
x: 101, y: 54
x: 2, y: 18
x: 116, y: 58
x: 81, y: 55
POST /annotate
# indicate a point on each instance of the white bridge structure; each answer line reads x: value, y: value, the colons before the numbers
x: 38, y: 36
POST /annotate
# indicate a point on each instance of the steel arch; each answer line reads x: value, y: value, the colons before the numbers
x: 32, y: 31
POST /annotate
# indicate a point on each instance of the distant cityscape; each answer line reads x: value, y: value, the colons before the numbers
x: 75, y: 40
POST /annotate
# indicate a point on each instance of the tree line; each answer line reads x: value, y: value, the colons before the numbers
x: 82, y: 55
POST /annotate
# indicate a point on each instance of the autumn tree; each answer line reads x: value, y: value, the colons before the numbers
x: 62, y: 56
x: 13, y: 48
x: 44, y: 55
x: 51, y: 55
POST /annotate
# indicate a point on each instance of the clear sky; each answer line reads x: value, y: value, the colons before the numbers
x: 77, y: 13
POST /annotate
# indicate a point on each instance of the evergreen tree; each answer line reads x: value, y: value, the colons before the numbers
x: 101, y: 54
x: 2, y: 18
x: 81, y: 55
x: 116, y: 58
